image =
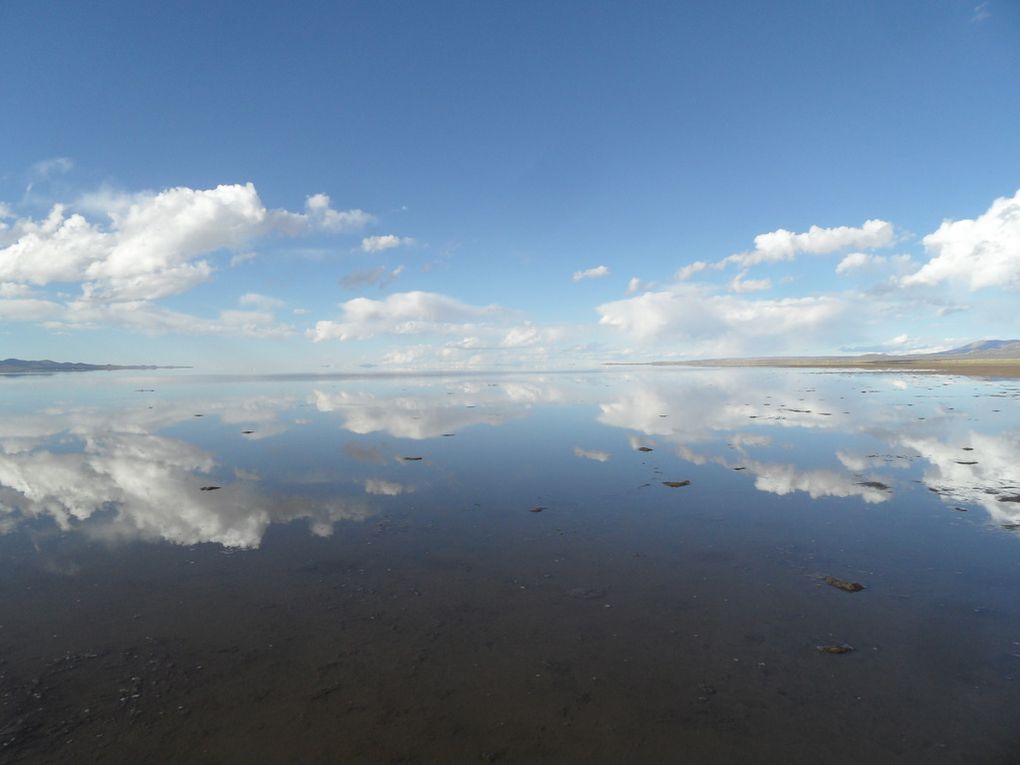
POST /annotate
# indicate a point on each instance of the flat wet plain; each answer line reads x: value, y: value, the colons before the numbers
x: 365, y: 578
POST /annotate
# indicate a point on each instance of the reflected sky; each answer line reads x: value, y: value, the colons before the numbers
x: 186, y: 462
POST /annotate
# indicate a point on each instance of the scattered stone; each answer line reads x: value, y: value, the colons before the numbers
x: 874, y: 485
x: 209, y: 488
x: 707, y: 692
x: 676, y: 484
x: 843, y: 584
x: 835, y: 648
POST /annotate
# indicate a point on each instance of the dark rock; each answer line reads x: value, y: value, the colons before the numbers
x: 843, y: 584
x: 835, y: 648
x: 874, y: 485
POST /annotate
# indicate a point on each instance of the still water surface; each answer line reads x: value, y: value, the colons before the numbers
x: 494, y: 569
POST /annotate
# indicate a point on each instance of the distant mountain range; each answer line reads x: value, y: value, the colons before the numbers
x: 982, y: 349
x: 22, y: 367
x: 991, y: 356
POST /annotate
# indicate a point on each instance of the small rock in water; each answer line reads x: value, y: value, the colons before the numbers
x: 740, y: 468
x: 209, y: 488
x: 834, y: 648
x: 843, y: 584
x: 645, y: 449
x: 536, y: 509
x: 964, y: 462
x: 676, y: 484
x: 960, y: 509
x: 247, y: 432
x: 412, y: 459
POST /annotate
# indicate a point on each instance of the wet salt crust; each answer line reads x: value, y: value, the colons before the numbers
x: 277, y: 581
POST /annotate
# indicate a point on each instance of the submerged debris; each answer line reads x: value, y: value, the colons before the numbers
x: 209, y: 488
x: 834, y: 648
x: 676, y: 484
x: 843, y: 584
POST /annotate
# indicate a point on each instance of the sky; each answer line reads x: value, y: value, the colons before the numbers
x: 473, y: 185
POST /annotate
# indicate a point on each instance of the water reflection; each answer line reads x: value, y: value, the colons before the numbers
x: 713, y: 419
x: 100, y: 473
x: 137, y: 470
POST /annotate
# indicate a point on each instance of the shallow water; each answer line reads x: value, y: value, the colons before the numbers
x: 334, y: 601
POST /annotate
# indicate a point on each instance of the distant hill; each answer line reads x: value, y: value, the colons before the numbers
x: 982, y: 349
x: 23, y: 367
x: 980, y: 357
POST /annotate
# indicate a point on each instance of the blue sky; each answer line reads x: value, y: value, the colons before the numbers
x: 255, y: 186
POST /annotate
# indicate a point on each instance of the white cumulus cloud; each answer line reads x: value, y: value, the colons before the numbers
x: 138, y: 248
x: 978, y: 253
x: 384, y: 242
x: 741, y: 284
x: 260, y: 301
x: 782, y: 245
x: 686, y: 313
x: 402, y: 313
